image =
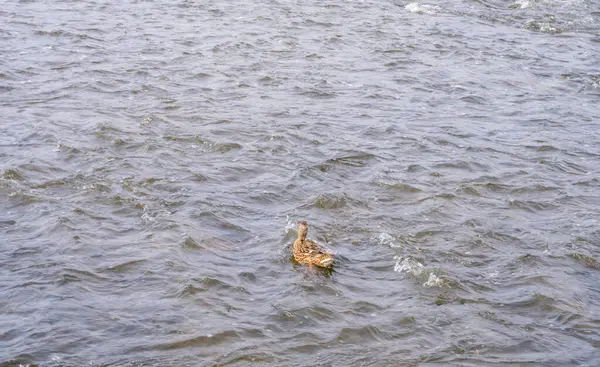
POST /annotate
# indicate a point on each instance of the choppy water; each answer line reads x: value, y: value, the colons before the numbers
x: 156, y: 155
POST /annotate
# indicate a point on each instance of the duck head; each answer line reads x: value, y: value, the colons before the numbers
x: 302, y: 230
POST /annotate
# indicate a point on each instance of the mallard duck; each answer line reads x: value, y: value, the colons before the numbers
x: 308, y: 252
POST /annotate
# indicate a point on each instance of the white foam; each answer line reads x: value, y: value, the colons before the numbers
x: 386, y: 239
x: 521, y: 4
x: 409, y: 265
x: 418, y: 270
x: 433, y: 281
x: 493, y: 274
x: 149, y: 216
x: 422, y: 8
x: 547, y: 28
x: 148, y: 119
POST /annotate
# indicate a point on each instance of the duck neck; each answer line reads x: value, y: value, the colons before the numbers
x: 302, y: 233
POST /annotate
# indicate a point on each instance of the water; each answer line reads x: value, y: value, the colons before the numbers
x: 156, y: 156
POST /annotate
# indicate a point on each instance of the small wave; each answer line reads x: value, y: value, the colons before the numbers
x: 151, y: 216
x: 243, y: 357
x: 353, y: 159
x: 359, y: 335
x: 190, y: 244
x: 422, y: 8
x: 25, y: 198
x: 204, y: 145
x: 531, y: 206
x: 544, y: 27
x: 126, y: 266
x: 397, y: 185
x: 585, y: 80
x: 585, y: 260
x: 330, y: 201
x: 224, y: 337
x: 12, y: 174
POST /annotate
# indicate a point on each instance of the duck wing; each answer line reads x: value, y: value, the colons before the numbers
x: 317, y: 255
x: 312, y: 248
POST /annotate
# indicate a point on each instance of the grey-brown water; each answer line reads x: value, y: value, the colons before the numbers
x: 156, y: 156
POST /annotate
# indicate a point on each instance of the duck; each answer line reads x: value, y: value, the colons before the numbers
x: 309, y: 252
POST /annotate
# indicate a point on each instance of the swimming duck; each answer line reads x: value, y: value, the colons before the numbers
x: 308, y: 252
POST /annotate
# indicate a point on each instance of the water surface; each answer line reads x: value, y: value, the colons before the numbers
x: 155, y: 157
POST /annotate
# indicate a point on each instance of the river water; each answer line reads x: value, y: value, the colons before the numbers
x: 155, y: 157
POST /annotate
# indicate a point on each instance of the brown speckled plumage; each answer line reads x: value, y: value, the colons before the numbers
x: 308, y: 252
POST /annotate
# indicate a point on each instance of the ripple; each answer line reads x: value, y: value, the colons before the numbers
x: 24, y: 198
x: 214, y: 220
x: 362, y: 335
x: 249, y: 357
x: 224, y: 337
x: 189, y: 244
x: 126, y: 266
x: 355, y: 160
x: 69, y: 275
x: 400, y: 186
x: 446, y: 196
x: 532, y: 206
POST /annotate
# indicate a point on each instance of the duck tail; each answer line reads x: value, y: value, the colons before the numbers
x: 324, y: 260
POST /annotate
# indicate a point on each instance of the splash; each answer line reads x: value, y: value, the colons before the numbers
x: 433, y: 281
x: 418, y: 270
x: 289, y: 224
x: 422, y: 8
x: 546, y: 27
x: 520, y: 4
x: 387, y: 240
x: 409, y: 265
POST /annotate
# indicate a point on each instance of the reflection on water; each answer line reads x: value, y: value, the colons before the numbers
x: 155, y: 158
